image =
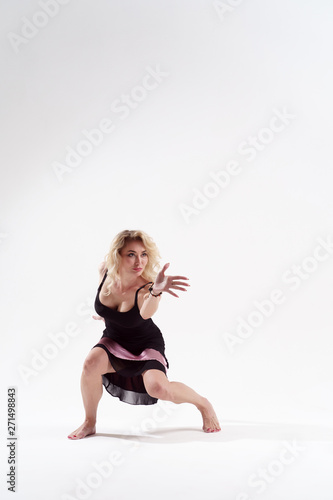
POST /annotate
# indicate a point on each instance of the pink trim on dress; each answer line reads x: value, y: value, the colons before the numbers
x: 123, y: 353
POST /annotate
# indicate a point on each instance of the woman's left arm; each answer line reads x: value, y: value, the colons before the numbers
x: 162, y: 284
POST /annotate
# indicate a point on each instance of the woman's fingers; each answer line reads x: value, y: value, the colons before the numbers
x: 174, y: 282
x: 179, y: 283
x: 162, y: 271
x: 178, y: 287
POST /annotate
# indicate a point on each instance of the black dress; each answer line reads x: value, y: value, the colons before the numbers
x: 133, y: 345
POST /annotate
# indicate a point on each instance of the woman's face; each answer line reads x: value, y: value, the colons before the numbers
x: 134, y: 258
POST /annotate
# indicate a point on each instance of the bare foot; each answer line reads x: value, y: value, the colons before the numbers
x: 86, y: 429
x: 210, y: 420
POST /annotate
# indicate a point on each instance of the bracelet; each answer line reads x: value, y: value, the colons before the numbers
x: 151, y: 291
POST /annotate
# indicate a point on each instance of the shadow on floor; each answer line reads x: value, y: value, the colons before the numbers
x: 231, y: 431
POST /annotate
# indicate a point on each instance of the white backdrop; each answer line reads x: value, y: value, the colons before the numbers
x: 207, y: 125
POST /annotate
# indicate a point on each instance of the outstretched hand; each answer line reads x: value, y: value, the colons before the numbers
x: 165, y: 283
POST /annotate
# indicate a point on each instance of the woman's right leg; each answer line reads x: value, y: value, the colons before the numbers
x: 96, y: 364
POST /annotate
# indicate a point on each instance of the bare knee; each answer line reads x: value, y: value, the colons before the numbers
x: 94, y: 363
x: 158, y: 389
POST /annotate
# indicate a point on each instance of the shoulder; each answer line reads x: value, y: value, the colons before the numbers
x: 142, y: 291
x: 102, y: 267
x: 144, y: 286
x: 101, y: 270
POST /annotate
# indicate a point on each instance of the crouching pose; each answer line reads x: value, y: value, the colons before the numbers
x: 129, y: 359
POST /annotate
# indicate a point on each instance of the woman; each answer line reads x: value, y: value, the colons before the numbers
x: 129, y: 359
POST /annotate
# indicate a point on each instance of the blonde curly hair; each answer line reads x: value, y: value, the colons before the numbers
x: 112, y: 258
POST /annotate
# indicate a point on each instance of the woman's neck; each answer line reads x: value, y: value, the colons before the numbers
x: 125, y: 283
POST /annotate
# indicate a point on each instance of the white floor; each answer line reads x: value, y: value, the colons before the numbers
x: 166, y: 456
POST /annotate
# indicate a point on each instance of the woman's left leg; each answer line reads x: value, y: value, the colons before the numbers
x: 158, y: 386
